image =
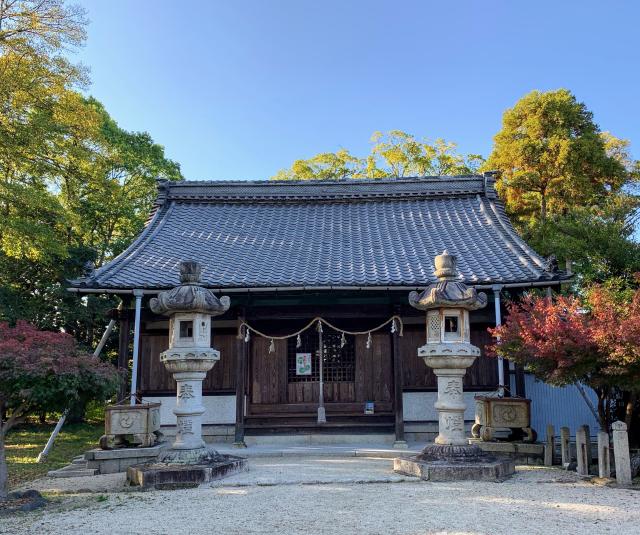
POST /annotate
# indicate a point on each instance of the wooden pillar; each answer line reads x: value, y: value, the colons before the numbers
x: 242, y: 353
x: 124, y: 337
x: 397, y: 390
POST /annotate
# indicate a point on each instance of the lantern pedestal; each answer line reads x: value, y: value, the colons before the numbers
x: 189, y: 367
x: 451, y: 457
x: 449, y: 364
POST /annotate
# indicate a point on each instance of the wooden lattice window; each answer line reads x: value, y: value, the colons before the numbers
x: 339, y: 364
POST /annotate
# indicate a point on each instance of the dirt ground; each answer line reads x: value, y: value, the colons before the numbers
x: 335, y: 495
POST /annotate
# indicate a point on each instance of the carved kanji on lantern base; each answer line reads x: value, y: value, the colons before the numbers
x: 449, y: 353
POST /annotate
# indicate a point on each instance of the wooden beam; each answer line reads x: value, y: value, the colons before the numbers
x: 397, y: 389
x: 241, y: 374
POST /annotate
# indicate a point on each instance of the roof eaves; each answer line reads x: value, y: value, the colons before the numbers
x: 136, y: 246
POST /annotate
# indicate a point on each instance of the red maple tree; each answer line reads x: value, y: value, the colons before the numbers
x: 593, y: 340
x: 43, y: 370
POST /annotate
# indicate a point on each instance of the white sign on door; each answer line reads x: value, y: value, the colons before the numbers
x: 303, y: 363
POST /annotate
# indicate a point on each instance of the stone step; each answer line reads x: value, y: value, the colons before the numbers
x: 83, y: 472
x: 70, y: 471
x: 80, y: 460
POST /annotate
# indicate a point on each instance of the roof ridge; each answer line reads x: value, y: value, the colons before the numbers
x: 304, y: 183
x: 324, y: 190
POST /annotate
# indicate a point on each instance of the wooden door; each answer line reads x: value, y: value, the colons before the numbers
x: 353, y: 375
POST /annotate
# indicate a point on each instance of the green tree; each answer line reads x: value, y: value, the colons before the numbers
x: 74, y: 187
x: 324, y: 166
x: 552, y: 157
x: 395, y: 154
x: 399, y: 154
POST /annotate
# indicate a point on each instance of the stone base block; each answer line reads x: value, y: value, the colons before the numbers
x: 521, y: 452
x: 163, y: 476
x: 118, y: 460
x: 490, y: 470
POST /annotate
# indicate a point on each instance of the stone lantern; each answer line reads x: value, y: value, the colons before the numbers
x: 190, y: 356
x: 449, y: 353
x: 448, y: 350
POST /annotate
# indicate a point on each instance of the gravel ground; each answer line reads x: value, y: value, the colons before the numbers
x: 330, y: 495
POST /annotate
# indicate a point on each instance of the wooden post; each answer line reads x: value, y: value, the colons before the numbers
x: 124, y: 336
x: 242, y: 352
x: 322, y: 413
x: 565, y: 446
x: 550, y: 446
x: 400, y: 442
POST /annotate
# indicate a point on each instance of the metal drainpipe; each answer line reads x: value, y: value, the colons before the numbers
x: 496, y: 293
x: 136, y: 346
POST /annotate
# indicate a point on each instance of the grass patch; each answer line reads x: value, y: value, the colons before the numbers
x: 25, y: 442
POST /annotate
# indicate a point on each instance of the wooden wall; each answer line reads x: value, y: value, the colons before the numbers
x: 155, y: 379
x: 268, y: 372
x: 269, y: 383
x: 417, y: 376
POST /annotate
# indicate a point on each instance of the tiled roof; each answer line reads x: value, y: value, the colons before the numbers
x: 356, y: 233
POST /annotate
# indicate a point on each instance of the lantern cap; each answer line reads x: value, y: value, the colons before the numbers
x: 190, y: 295
x: 447, y: 292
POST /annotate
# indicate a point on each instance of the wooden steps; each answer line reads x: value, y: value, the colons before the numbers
x: 307, y: 423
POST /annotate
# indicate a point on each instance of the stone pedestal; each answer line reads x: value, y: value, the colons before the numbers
x: 479, y: 469
x: 170, y: 476
x: 189, y: 367
x: 450, y: 404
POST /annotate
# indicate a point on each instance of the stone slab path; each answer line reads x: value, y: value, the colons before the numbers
x: 326, y: 495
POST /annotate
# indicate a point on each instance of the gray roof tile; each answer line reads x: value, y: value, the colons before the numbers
x: 347, y: 233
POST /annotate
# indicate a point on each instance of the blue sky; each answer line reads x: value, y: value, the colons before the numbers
x: 239, y: 89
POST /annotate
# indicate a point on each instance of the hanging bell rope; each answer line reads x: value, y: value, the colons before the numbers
x: 393, y: 320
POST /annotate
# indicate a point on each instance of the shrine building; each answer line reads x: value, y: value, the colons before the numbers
x: 348, y: 252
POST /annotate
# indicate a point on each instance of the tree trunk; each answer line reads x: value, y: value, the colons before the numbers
x: 543, y: 206
x: 76, y: 413
x: 4, y: 470
x: 602, y: 411
x: 628, y: 415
